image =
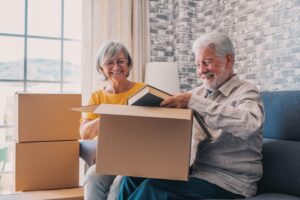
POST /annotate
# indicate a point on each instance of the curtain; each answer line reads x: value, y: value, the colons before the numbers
x: 126, y: 21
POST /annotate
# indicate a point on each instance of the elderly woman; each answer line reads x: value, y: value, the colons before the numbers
x: 115, y: 63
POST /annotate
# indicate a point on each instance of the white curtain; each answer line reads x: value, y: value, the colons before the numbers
x: 126, y: 21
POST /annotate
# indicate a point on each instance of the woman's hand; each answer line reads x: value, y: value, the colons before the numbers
x: 179, y: 100
x: 89, y: 129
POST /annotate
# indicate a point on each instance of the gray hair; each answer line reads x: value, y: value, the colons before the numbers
x: 111, y: 49
x: 218, y: 41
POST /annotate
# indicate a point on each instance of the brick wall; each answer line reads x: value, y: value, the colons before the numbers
x: 266, y: 35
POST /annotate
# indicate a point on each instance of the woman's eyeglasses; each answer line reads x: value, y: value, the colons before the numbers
x: 122, y: 62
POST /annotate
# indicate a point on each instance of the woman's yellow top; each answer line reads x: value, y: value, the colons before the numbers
x: 102, y: 97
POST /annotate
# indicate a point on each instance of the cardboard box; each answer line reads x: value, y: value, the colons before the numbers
x: 144, y: 141
x: 47, y: 117
x: 46, y: 165
x: 61, y: 194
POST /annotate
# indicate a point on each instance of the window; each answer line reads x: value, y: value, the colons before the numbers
x: 39, y: 52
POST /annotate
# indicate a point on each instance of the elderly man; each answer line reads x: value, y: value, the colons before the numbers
x: 227, y: 163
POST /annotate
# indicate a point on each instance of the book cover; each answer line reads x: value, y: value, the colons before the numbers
x: 148, y: 96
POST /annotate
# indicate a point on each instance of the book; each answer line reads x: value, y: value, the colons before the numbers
x: 151, y: 96
x: 148, y: 96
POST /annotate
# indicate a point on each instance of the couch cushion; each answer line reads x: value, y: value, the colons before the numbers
x: 281, y: 167
x: 282, y: 113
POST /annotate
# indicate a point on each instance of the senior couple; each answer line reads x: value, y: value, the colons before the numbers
x: 228, y: 167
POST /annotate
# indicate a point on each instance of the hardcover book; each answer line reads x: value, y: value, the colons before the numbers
x: 148, y: 96
x: 151, y: 96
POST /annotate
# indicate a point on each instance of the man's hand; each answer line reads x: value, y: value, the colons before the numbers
x: 179, y: 100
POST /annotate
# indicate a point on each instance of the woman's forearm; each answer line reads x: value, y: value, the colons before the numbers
x: 89, y: 129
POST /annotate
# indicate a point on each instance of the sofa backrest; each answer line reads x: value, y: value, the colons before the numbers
x: 281, y: 148
x: 282, y: 115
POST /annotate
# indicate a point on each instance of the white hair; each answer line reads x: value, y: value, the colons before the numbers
x: 218, y: 41
x: 110, y: 49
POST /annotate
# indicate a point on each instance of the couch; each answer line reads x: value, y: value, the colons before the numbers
x: 281, y: 147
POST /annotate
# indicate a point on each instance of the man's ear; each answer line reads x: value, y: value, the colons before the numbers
x: 229, y: 60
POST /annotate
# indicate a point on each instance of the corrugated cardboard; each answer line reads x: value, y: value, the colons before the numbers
x: 47, y: 117
x: 46, y: 165
x: 144, y: 141
x: 61, y: 194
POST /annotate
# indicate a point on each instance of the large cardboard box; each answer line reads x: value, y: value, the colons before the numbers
x: 46, y: 165
x: 144, y: 141
x: 60, y: 194
x: 47, y: 117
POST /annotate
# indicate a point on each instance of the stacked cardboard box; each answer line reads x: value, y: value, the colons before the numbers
x: 47, y: 147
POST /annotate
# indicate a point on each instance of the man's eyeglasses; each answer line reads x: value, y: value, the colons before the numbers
x: 122, y: 62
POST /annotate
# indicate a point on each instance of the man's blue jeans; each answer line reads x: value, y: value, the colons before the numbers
x: 157, y: 189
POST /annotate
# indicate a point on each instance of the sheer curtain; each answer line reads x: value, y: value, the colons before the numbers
x: 126, y: 21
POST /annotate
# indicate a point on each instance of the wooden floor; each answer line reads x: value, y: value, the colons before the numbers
x: 62, y: 194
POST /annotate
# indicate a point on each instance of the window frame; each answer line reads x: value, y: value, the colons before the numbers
x: 24, y: 81
x: 26, y: 36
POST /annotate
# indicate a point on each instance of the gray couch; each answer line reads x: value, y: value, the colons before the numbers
x: 281, y: 148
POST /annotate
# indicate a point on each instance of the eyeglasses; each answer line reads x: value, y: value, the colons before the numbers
x: 122, y: 62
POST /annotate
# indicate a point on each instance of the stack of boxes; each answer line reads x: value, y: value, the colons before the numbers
x: 47, y: 146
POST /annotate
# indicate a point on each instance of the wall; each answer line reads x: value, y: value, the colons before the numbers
x: 266, y: 35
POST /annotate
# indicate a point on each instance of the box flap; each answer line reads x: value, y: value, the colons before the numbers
x: 143, y: 111
x: 88, y: 108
